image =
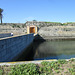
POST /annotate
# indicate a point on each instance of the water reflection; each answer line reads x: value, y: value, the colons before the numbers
x: 56, y: 49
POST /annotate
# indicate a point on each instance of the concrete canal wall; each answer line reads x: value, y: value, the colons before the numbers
x: 12, y: 46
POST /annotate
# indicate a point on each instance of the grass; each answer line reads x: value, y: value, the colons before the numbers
x: 60, y: 67
x: 53, y: 22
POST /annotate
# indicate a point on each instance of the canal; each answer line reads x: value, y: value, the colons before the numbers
x: 55, y: 49
x: 51, y: 49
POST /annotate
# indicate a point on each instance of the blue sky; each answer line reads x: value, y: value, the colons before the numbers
x: 20, y: 11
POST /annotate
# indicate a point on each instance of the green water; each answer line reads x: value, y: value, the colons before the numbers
x: 55, y: 49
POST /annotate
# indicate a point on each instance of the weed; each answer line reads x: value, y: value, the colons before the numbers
x: 1, y: 72
x: 27, y: 69
x: 44, y: 63
x: 72, y: 60
x: 57, y: 71
x: 62, y: 61
x: 71, y: 70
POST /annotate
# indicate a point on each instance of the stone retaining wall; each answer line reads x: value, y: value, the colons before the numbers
x: 10, y: 28
x: 42, y: 24
x: 65, y: 31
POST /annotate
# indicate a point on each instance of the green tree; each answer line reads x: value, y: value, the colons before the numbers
x: 34, y: 20
x: 1, y: 10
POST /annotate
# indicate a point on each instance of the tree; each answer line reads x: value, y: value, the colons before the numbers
x: 1, y: 10
x: 34, y: 20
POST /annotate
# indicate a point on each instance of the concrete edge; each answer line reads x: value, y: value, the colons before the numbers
x: 26, y: 62
x: 13, y: 36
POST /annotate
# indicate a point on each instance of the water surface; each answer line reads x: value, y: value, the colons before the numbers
x: 55, y: 49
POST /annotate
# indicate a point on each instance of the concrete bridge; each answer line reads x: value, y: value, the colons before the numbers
x: 12, y: 47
